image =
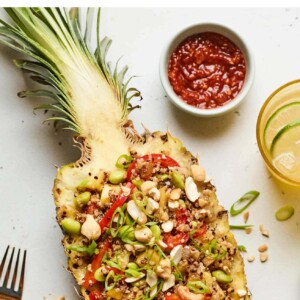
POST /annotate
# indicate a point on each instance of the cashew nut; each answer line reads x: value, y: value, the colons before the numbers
x: 191, y: 189
x: 90, y: 228
x: 173, y: 205
x: 152, y: 206
x: 154, y: 193
x: 147, y: 186
x: 175, y: 194
x: 167, y: 226
x: 136, y: 213
x: 170, y: 282
x: 163, y: 269
x: 184, y: 294
x: 143, y: 235
x: 198, y: 173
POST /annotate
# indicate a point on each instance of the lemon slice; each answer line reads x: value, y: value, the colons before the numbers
x: 285, y: 150
x: 282, y: 116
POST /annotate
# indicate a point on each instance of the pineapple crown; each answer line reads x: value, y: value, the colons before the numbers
x: 55, y: 41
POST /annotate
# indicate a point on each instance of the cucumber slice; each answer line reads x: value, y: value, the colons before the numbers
x: 282, y: 116
x: 285, y: 150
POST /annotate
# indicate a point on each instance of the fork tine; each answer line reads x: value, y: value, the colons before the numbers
x: 22, y: 272
x: 3, y: 261
x: 5, y: 282
x: 13, y: 283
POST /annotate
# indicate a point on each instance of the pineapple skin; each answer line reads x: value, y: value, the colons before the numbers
x: 71, y: 176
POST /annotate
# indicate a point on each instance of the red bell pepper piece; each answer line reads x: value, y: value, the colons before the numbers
x: 104, y: 222
x: 172, y: 297
x: 172, y: 241
x: 96, y: 295
x: 182, y: 216
x: 158, y: 159
x: 200, y: 231
x: 89, y: 278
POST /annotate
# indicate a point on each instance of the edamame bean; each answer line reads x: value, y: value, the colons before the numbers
x: 99, y: 275
x: 124, y: 161
x: 177, y: 180
x: 221, y: 276
x: 83, y: 185
x: 70, y: 225
x: 156, y: 232
x: 127, y: 231
x: 82, y: 199
x: 284, y: 213
x: 117, y: 176
x: 132, y: 266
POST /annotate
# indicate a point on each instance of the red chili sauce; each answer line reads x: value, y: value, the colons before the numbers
x: 207, y: 70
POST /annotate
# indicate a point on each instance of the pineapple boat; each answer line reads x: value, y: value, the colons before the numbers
x: 139, y: 218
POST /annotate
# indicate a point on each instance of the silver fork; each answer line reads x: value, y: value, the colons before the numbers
x: 9, y: 293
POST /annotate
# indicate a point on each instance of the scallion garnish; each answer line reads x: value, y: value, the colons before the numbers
x: 240, y: 205
x: 240, y: 227
x: 242, y: 248
x: 198, y: 287
x: 90, y: 249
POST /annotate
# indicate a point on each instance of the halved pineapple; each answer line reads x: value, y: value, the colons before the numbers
x: 139, y: 218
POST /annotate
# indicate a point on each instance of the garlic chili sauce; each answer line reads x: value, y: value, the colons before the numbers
x: 207, y: 70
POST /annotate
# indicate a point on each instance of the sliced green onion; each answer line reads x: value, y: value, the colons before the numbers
x: 90, y: 249
x: 113, y: 264
x: 163, y: 177
x: 214, y: 251
x: 232, y: 227
x: 99, y: 276
x: 240, y: 205
x: 132, y: 272
x: 284, y: 213
x: 126, y: 233
x: 124, y: 161
x: 198, y: 287
x: 137, y: 183
x: 242, y: 248
x: 121, y: 220
x: 114, y: 277
x: 150, y: 223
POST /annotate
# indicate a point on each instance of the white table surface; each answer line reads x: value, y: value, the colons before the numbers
x: 227, y: 146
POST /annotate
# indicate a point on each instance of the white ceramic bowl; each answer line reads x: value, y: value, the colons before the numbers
x: 180, y: 37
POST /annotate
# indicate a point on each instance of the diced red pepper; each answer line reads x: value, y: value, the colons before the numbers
x: 89, y: 278
x: 201, y: 231
x: 89, y: 209
x: 182, y: 216
x: 172, y: 241
x: 172, y: 297
x: 116, y: 271
x: 121, y: 199
x: 96, y: 295
x: 157, y: 159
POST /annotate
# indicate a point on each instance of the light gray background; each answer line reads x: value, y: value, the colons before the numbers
x: 227, y: 146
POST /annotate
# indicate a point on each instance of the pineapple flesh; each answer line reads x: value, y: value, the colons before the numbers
x: 198, y: 257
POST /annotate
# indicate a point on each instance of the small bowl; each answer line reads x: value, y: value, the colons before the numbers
x: 196, y: 29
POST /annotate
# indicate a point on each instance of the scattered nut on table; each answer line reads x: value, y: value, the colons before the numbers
x: 263, y: 257
x: 251, y: 258
x: 248, y: 230
x: 263, y: 248
x: 263, y: 231
x: 246, y: 216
